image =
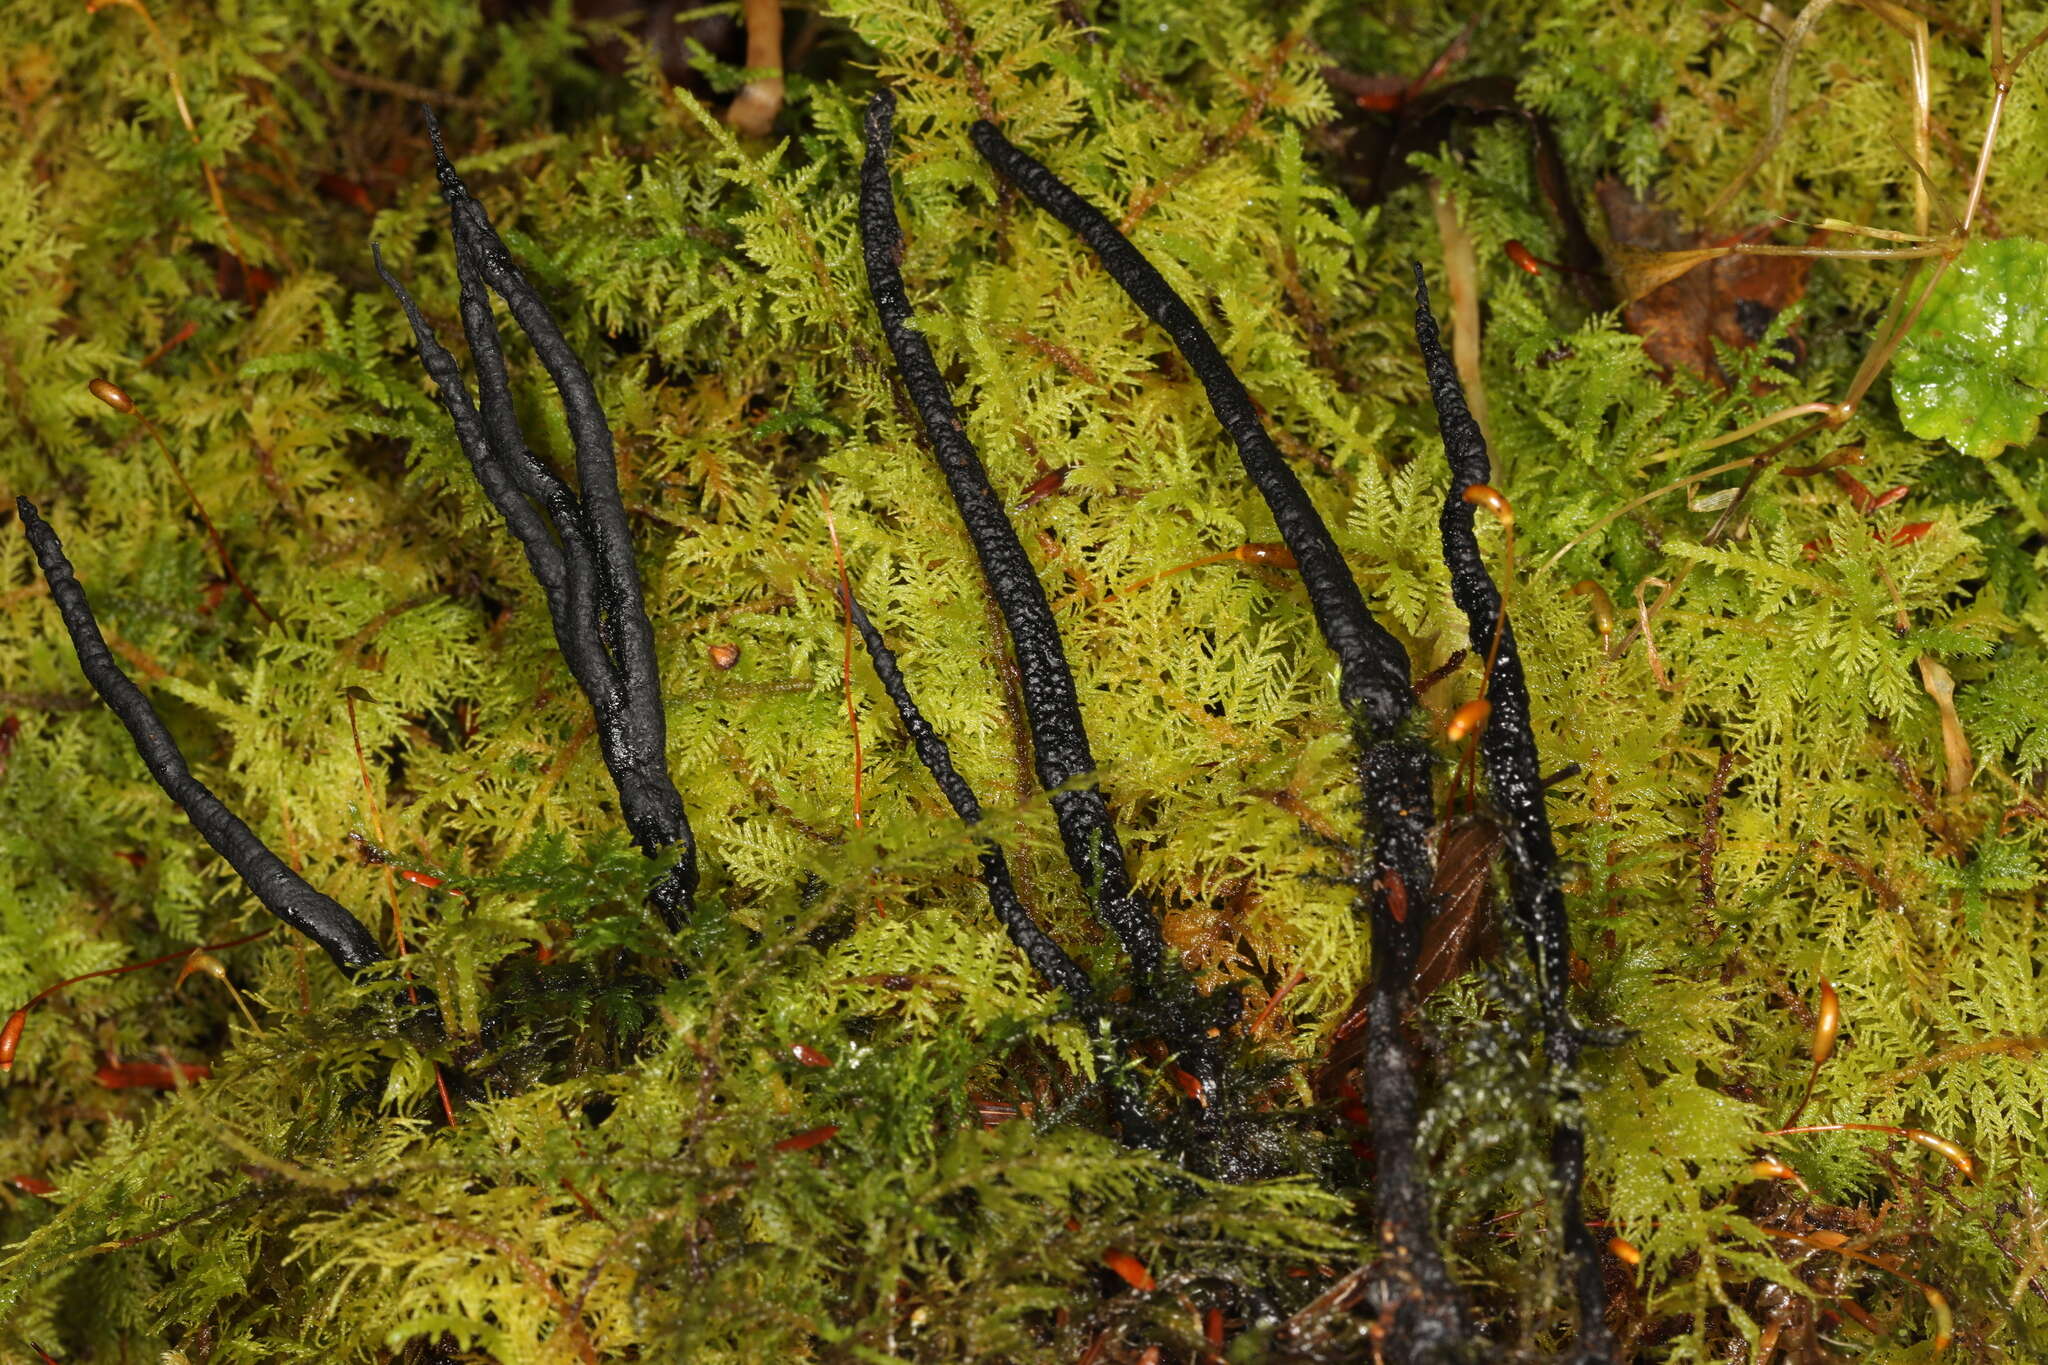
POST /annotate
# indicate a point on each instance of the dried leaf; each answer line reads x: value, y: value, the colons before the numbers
x: 1685, y: 292
x: 1463, y: 896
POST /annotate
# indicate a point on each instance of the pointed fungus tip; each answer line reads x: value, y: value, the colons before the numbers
x: 452, y: 187
x: 881, y: 111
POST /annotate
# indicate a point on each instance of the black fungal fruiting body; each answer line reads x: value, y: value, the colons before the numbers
x: 1373, y: 665
x: 590, y: 579
x: 1507, y: 747
x: 282, y: 891
x: 1038, y: 947
x: 1058, y: 739
x: 1415, y: 1288
x: 579, y: 550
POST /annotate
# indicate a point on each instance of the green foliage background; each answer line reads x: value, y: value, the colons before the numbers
x: 614, y: 1190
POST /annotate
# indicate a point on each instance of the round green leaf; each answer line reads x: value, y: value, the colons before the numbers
x: 1974, y: 369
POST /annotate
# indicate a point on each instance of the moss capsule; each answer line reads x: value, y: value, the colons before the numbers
x: 1468, y: 719
x: 1951, y: 1152
x: 1129, y: 1269
x: 1603, y: 606
x: 10, y: 1037
x: 1493, y: 500
x: 1827, y: 1023
x: 112, y: 394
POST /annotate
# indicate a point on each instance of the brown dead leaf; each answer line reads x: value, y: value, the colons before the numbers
x: 1687, y: 290
x: 1463, y: 928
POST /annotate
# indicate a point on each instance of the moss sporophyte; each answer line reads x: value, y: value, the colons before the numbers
x: 1256, y: 890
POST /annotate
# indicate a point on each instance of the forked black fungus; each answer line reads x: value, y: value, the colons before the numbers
x: 1058, y: 739
x: 283, y: 892
x: 1415, y: 1289
x: 578, y: 548
x: 1507, y: 747
x: 589, y: 579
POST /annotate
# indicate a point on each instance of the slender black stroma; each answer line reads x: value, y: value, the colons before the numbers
x: 1413, y: 1284
x: 1059, y: 740
x: 1038, y: 947
x: 1507, y: 746
x: 282, y: 891
x: 1374, y: 667
x: 577, y: 544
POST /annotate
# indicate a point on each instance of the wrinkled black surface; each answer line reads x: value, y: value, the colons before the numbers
x: 1414, y: 1289
x: 1507, y: 746
x: 1038, y: 947
x: 283, y: 892
x: 1058, y: 739
x: 579, y: 547
x: 1413, y: 1285
x: 1374, y: 667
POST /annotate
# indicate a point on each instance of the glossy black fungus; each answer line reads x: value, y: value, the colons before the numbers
x: 1038, y: 947
x: 1373, y: 665
x: 283, y: 892
x: 1059, y: 741
x: 1507, y: 747
x: 577, y: 543
x: 1414, y: 1286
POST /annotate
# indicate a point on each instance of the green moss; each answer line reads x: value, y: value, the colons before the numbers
x: 614, y: 1188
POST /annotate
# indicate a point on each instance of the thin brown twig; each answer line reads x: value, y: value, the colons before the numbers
x: 1710, y: 829
x: 170, y: 62
x: 753, y: 110
x: 970, y: 65
x: 844, y: 590
x: 391, y: 891
x: 118, y: 399
x: 405, y: 90
x: 533, y: 1272
x: 2024, y: 1047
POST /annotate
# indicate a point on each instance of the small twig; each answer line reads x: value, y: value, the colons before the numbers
x: 1710, y: 829
x: 49, y: 701
x: 752, y: 111
x: 412, y: 994
x: 845, y: 595
x: 2024, y: 1048
x: 163, y: 48
x: 405, y: 90
x: 970, y: 65
x: 116, y: 398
